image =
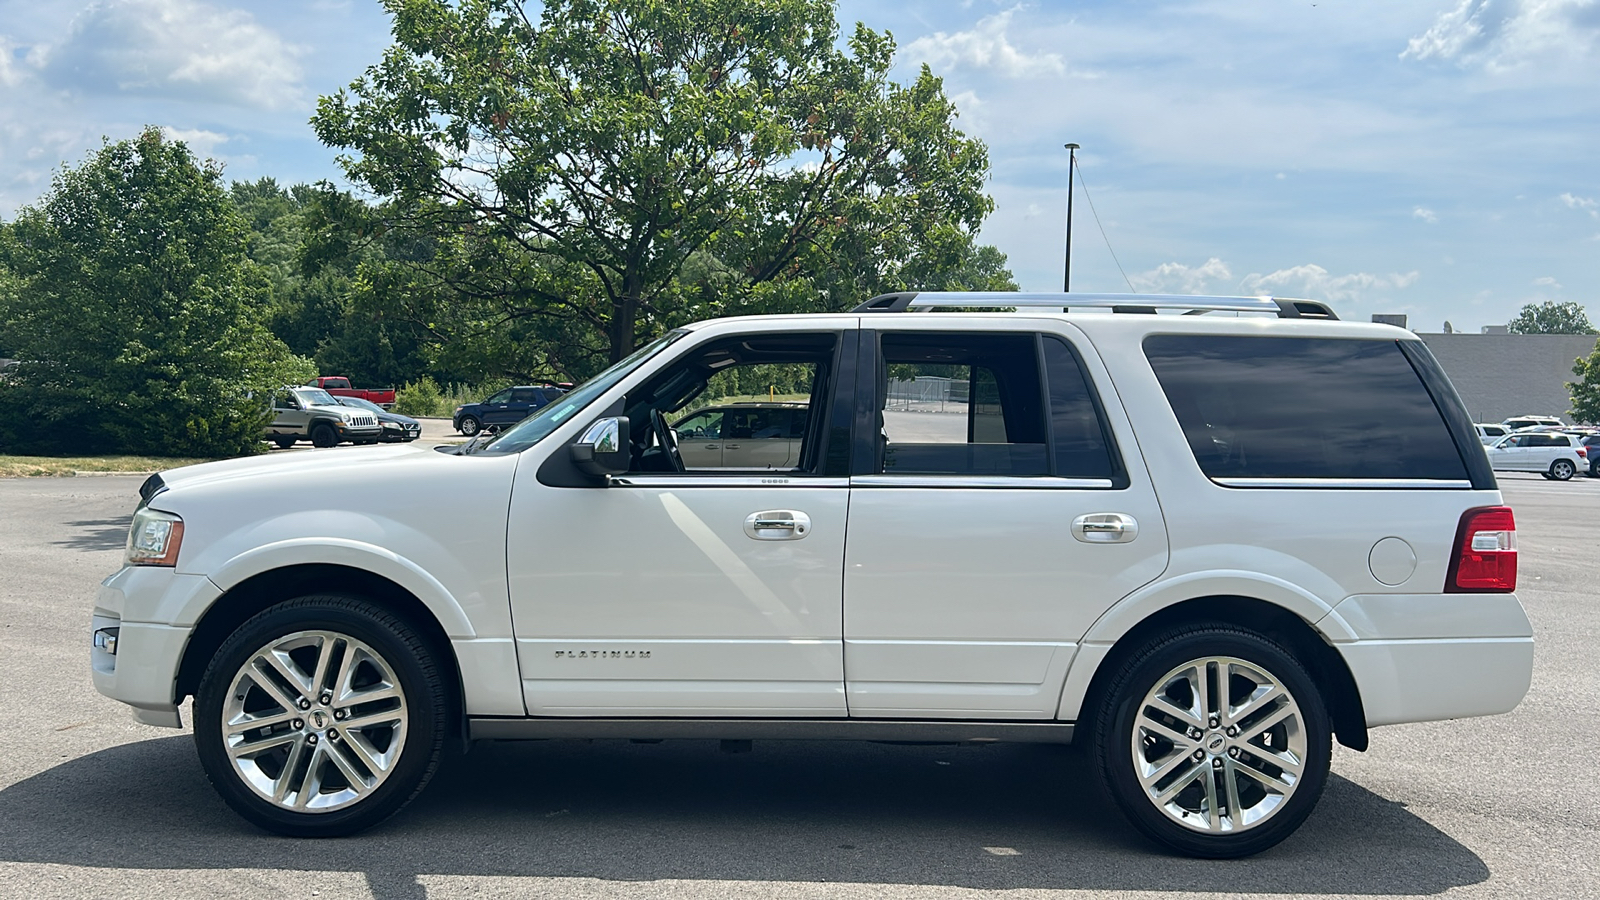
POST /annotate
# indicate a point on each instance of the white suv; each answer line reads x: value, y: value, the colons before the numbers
x: 1098, y: 527
x: 1553, y: 454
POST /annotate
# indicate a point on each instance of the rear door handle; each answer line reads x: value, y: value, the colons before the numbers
x: 777, y: 525
x: 1105, y: 528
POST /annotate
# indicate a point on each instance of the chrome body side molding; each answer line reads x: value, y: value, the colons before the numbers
x: 936, y: 731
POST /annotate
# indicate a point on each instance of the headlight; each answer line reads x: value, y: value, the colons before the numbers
x: 154, y: 538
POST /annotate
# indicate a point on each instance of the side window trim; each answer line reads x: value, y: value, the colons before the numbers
x: 1120, y: 478
x: 1457, y: 421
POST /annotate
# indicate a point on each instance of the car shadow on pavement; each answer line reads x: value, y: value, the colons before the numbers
x: 985, y: 817
x: 98, y: 534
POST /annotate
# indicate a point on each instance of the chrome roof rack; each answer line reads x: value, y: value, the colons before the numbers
x: 1123, y: 303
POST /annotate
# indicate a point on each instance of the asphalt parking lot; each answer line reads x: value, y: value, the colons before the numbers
x: 95, y: 805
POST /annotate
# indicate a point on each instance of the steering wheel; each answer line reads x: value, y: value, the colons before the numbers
x: 667, y: 439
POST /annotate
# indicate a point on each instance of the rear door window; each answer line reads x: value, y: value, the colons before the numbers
x: 1289, y: 407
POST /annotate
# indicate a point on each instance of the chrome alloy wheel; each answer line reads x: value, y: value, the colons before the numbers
x: 314, y: 721
x: 1219, y: 745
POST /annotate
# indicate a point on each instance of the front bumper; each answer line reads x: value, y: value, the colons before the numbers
x: 1426, y: 657
x: 150, y: 610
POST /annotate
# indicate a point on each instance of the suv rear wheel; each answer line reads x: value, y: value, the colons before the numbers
x: 1563, y: 469
x: 320, y: 717
x: 1213, y: 741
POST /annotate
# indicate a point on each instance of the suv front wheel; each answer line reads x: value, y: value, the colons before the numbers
x: 320, y: 717
x: 1213, y: 741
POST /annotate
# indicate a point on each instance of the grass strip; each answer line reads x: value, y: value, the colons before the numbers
x: 36, y: 466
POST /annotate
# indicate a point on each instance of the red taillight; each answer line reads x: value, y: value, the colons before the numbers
x: 1485, y: 556
x: 1583, y: 453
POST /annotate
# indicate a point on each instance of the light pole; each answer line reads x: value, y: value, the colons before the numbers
x: 1072, y: 162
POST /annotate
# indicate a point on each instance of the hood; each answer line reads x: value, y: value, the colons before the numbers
x: 284, y: 465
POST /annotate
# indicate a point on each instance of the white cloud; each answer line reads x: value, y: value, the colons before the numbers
x: 200, y: 141
x: 9, y: 73
x: 985, y: 46
x: 1504, y: 34
x: 1177, y: 278
x: 1426, y: 215
x: 1587, y: 204
x: 184, y: 49
x: 1547, y: 281
x: 1316, y: 283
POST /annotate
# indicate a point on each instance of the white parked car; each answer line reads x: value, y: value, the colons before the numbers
x: 1516, y: 423
x: 1552, y: 454
x: 1112, y: 533
x: 1488, y: 433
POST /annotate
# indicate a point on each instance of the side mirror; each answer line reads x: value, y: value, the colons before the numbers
x: 603, y: 450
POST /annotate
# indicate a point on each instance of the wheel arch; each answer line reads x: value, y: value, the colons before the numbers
x: 267, y: 588
x: 1326, y: 666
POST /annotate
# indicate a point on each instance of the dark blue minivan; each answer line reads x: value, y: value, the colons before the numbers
x: 508, y: 407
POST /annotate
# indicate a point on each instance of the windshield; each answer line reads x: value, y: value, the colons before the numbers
x: 315, y: 397
x: 538, y: 426
x: 359, y: 403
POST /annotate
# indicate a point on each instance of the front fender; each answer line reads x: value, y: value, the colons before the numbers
x: 356, y: 555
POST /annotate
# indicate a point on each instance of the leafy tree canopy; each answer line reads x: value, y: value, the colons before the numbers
x: 1551, y: 317
x: 584, y: 173
x: 313, y: 275
x: 1586, y: 390
x: 136, y: 313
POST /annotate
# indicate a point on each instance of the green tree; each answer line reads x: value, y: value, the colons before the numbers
x: 613, y: 167
x: 1551, y: 317
x: 314, y: 286
x: 136, y: 312
x: 1586, y: 390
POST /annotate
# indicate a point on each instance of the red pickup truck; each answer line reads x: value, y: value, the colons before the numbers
x: 339, y: 386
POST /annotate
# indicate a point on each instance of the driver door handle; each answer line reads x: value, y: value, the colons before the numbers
x: 777, y: 525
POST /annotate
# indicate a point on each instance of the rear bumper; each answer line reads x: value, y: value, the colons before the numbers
x: 1422, y: 658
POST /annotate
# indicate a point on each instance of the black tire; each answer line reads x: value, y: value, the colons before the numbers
x: 416, y: 742
x: 1119, y: 718
x: 285, y: 441
x: 1563, y: 470
x: 469, y: 426
x: 323, y: 435
x: 1594, y: 469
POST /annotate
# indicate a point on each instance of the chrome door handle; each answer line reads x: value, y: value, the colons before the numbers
x: 777, y: 525
x: 1105, y: 528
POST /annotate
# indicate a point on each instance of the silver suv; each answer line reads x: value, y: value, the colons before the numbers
x: 312, y: 414
x: 752, y: 435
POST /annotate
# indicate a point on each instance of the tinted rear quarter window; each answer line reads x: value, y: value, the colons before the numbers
x: 1291, y: 407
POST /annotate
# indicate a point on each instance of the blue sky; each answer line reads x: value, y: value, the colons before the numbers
x: 1434, y: 157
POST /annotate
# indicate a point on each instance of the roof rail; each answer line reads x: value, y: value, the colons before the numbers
x: 1123, y: 303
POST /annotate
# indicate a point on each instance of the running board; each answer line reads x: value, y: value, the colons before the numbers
x: 944, y: 731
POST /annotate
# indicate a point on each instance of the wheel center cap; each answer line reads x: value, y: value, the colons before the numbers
x: 1215, y: 743
x: 319, y: 719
